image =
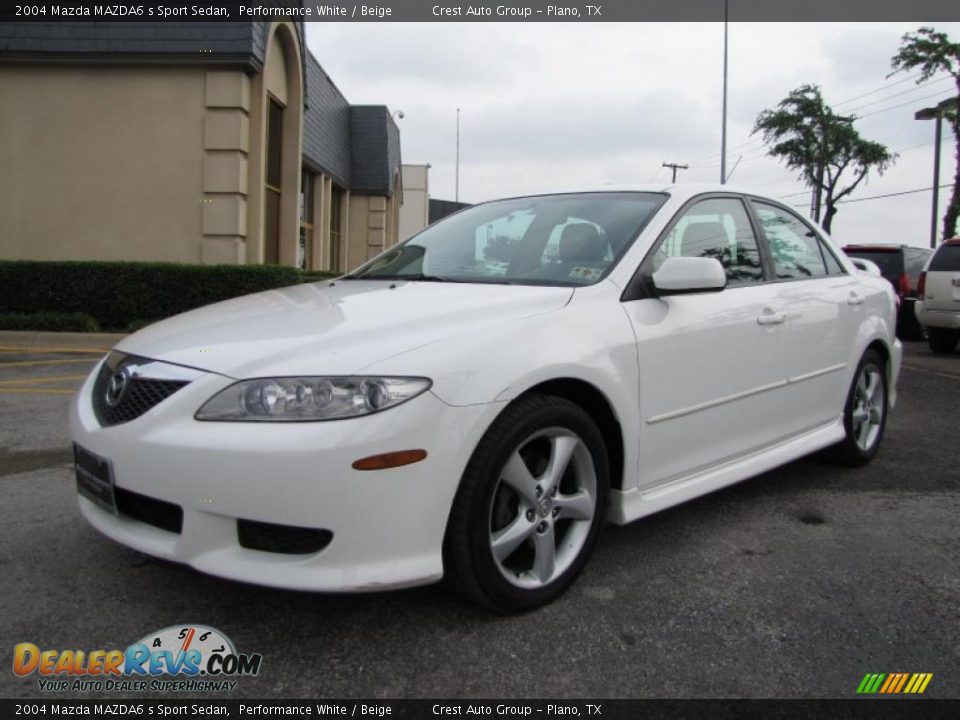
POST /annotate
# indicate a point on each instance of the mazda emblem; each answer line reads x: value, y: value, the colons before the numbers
x: 116, y: 387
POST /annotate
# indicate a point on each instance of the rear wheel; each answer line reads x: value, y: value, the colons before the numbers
x: 865, y: 413
x: 942, y: 340
x: 530, y: 506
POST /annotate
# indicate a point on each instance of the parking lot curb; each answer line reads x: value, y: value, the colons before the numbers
x: 99, y: 341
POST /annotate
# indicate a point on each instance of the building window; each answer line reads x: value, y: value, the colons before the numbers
x: 336, y: 223
x: 272, y: 191
x: 305, y: 247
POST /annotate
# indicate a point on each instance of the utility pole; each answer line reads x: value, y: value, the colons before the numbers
x: 675, y: 167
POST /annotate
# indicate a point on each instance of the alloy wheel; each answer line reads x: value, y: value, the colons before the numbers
x: 543, y: 507
x: 869, y: 405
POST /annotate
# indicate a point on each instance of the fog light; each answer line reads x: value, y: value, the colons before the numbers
x: 390, y: 460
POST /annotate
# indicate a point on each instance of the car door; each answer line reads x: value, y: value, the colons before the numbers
x: 712, y: 365
x: 824, y: 307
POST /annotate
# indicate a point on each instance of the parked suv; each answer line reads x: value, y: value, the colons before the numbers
x: 938, y: 305
x: 901, y: 265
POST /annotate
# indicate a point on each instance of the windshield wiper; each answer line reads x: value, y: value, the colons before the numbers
x: 424, y: 278
x: 429, y: 278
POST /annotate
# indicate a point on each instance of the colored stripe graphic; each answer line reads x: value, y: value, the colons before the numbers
x: 894, y: 683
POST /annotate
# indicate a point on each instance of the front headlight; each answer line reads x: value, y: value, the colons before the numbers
x: 294, y: 399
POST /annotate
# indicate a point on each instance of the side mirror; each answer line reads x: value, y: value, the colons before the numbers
x: 688, y: 275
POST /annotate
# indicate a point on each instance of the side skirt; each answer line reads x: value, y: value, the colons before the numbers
x: 628, y: 505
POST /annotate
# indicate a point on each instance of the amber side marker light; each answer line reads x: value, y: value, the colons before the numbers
x: 390, y: 460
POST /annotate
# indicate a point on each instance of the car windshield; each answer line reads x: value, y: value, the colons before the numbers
x: 572, y: 239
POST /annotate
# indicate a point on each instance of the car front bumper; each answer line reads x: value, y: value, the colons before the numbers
x: 387, y: 525
x: 949, y: 319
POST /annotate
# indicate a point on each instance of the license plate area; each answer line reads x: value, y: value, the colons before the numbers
x: 95, y: 478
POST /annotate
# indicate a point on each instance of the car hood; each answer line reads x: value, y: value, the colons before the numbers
x: 335, y: 328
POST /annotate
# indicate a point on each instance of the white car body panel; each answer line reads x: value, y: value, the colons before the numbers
x: 333, y: 328
x: 705, y: 396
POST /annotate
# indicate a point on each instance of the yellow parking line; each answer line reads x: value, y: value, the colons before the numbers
x: 31, y: 349
x: 40, y: 379
x: 41, y: 391
x: 31, y: 363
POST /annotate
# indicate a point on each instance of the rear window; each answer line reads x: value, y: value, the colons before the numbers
x: 916, y: 258
x: 890, y: 262
x: 947, y: 257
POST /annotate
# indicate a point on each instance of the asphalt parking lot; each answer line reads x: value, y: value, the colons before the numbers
x: 793, y: 584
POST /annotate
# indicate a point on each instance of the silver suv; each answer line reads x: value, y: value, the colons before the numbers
x: 938, y: 304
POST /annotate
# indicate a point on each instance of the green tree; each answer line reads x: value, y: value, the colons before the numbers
x: 932, y: 52
x: 805, y: 133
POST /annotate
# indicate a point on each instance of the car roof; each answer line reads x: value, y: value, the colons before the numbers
x: 682, y: 191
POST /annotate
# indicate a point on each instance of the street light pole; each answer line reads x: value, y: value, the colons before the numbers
x: 456, y: 191
x: 936, y: 113
x: 936, y: 182
x: 723, y: 131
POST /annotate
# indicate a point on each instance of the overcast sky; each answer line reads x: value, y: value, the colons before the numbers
x: 546, y: 106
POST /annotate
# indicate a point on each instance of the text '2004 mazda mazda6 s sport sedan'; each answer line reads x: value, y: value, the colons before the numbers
x: 475, y: 402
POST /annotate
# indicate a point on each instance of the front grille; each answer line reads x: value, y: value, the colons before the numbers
x: 140, y: 395
x: 285, y: 539
x: 159, y: 513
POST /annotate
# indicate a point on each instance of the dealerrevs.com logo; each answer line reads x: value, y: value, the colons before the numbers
x: 180, y: 658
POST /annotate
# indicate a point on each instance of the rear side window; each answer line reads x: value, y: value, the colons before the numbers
x: 794, y: 248
x: 946, y: 258
x: 833, y: 265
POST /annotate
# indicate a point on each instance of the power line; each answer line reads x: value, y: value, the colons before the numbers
x: 909, y: 102
x: 887, y: 195
x: 711, y: 161
x: 896, y: 95
x: 885, y: 86
x: 706, y: 158
x: 898, y: 150
x: 896, y: 194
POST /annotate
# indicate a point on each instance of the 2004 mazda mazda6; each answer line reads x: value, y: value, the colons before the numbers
x: 473, y: 403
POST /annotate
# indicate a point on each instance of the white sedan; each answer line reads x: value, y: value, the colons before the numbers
x: 475, y: 402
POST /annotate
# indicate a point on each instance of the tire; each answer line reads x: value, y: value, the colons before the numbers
x: 864, y: 413
x: 521, y: 529
x: 908, y: 327
x: 942, y: 340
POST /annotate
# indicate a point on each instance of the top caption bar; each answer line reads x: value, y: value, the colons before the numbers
x: 433, y: 11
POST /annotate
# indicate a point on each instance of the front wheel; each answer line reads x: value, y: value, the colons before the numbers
x: 865, y: 412
x: 530, y: 506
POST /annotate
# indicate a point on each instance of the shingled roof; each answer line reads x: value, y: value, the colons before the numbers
x: 230, y: 43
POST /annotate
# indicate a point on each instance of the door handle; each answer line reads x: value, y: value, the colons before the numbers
x: 854, y: 299
x: 771, y: 318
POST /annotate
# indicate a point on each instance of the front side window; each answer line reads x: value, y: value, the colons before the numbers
x: 716, y: 228
x: 570, y: 239
x: 794, y: 248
